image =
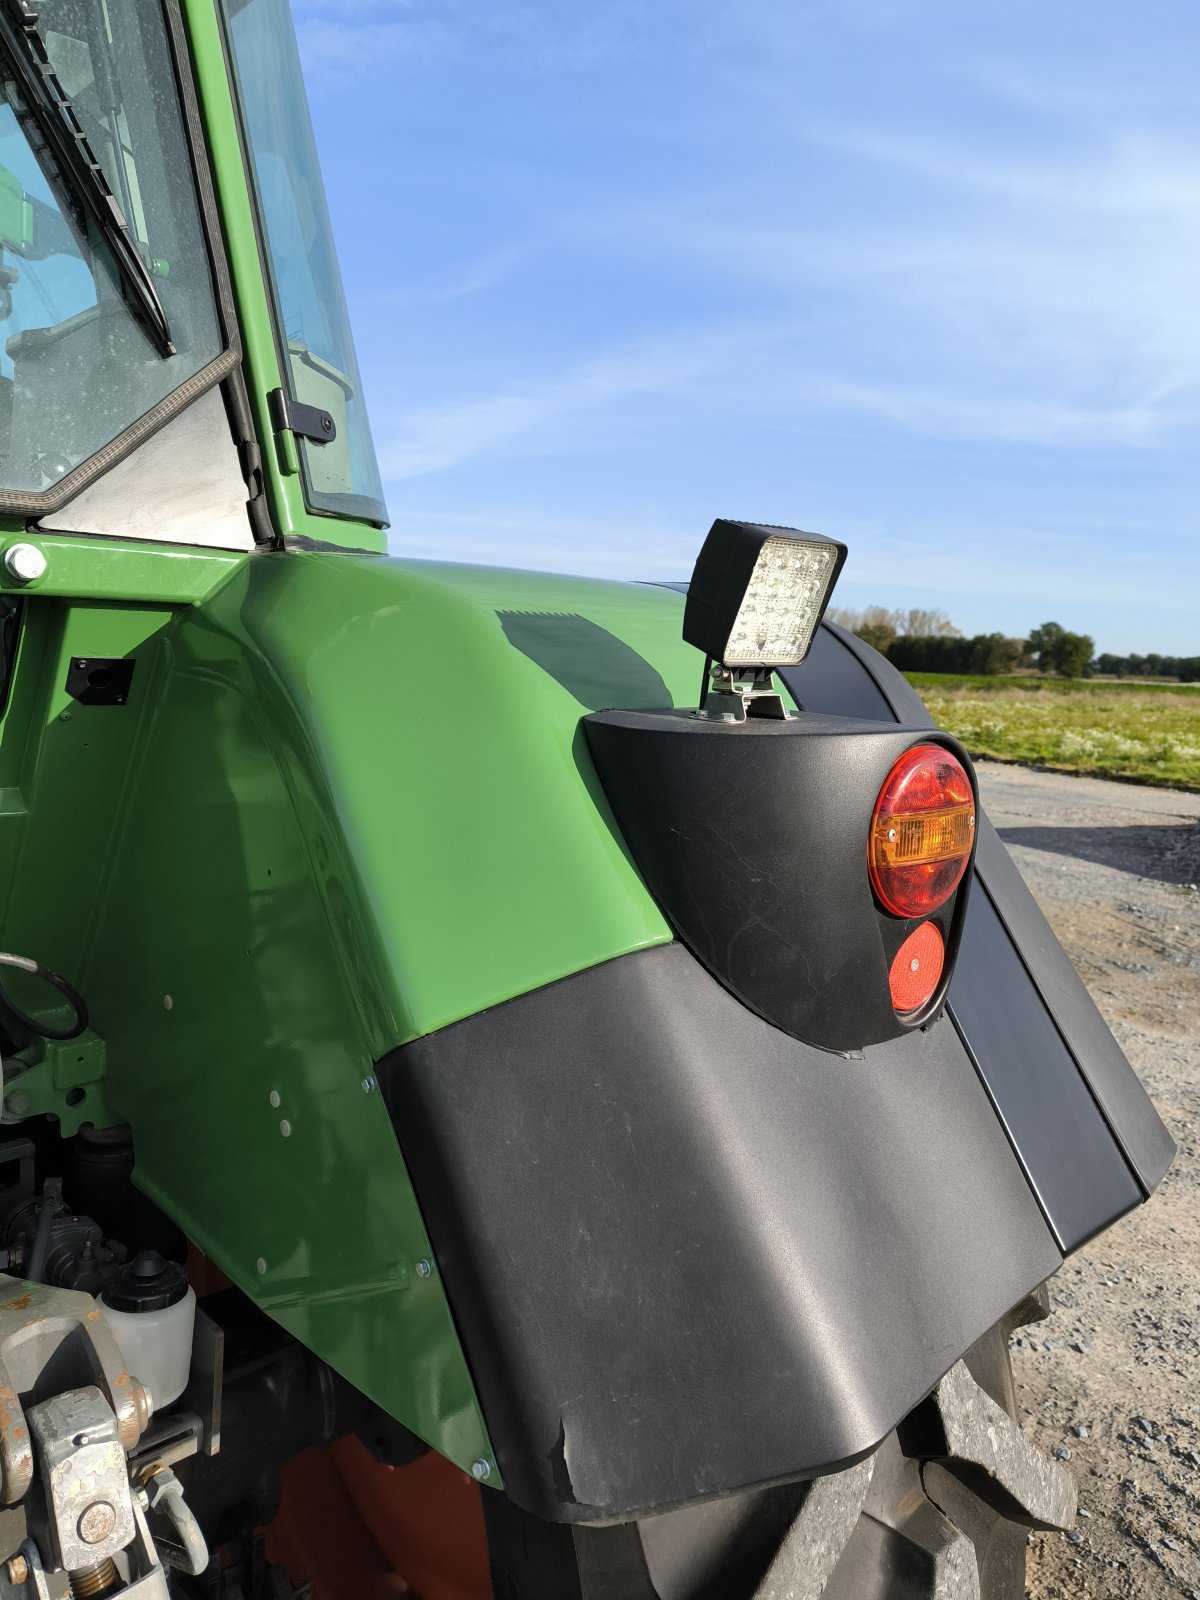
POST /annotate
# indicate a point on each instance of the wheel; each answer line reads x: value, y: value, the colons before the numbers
x: 941, y: 1511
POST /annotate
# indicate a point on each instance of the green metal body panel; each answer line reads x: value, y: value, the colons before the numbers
x: 124, y: 570
x: 483, y: 862
x: 347, y: 803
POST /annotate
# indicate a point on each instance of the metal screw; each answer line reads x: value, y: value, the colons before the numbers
x: 424, y: 1268
x: 971, y: 821
x: 481, y: 1470
x: 913, y: 964
x: 261, y: 1266
x: 326, y: 423
x: 368, y: 1086
x: 97, y: 1522
x: 891, y: 833
x: 18, y: 1570
x: 285, y: 1128
x: 82, y: 664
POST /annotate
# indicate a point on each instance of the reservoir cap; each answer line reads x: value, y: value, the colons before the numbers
x: 147, y: 1283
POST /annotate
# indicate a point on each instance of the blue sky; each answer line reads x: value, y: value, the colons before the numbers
x: 923, y: 277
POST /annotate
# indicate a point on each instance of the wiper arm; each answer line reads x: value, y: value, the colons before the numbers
x: 74, y: 166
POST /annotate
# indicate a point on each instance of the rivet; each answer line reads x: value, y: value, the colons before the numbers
x: 167, y: 1002
x: 285, y: 1128
x: 274, y: 1099
x: 424, y: 1268
x: 368, y: 1085
x: 261, y: 1266
x: 481, y: 1470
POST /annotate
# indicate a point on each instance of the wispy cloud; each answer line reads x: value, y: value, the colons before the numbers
x: 903, y: 270
x: 422, y: 440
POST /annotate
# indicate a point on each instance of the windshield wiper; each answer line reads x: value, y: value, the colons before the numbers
x: 73, y: 166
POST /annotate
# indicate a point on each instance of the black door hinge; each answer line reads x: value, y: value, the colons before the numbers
x: 308, y: 422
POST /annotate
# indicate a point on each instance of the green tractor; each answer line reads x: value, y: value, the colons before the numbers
x: 516, y: 1086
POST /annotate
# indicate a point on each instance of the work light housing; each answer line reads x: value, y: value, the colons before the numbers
x: 758, y: 592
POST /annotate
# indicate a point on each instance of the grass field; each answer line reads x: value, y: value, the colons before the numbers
x: 1150, y: 732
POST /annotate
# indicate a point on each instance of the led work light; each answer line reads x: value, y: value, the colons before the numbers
x: 754, y: 602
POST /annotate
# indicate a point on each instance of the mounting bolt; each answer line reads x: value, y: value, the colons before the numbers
x: 25, y: 563
x: 97, y: 1522
x: 368, y: 1085
x: 424, y: 1268
x: 18, y: 1570
x: 481, y: 1470
x: 18, y: 1102
x: 326, y: 422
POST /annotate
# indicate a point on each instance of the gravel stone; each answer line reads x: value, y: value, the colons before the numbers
x: 1108, y: 862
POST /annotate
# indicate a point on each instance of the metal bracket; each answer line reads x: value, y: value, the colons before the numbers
x: 40, y: 1325
x: 735, y: 694
x: 100, y: 680
x: 307, y: 422
x: 67, y: 1082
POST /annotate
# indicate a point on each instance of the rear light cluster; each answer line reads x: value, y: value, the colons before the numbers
x: 920, y: 843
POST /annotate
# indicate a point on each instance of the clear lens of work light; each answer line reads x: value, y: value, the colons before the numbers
x: 782, y: 604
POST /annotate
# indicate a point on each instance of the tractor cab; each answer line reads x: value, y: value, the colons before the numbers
x: 519, y: 1086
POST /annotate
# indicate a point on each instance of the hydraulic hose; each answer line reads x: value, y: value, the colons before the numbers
x: 72, y: 996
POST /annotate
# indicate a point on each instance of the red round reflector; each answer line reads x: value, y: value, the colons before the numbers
x: 917, y: 969
x: 921, y: 832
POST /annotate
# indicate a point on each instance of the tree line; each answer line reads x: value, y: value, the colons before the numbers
x: 923, y: 640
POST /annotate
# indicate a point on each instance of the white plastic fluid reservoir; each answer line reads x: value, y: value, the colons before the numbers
x: 151, y: 1309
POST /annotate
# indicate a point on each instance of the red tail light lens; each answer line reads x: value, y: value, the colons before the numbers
x: 921, y: 832
x: 917, y: 969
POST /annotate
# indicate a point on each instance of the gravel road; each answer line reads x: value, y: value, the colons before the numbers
x: 1110, y: 1382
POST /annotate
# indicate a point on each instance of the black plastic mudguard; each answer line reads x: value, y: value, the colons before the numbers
x: 688, y: 1252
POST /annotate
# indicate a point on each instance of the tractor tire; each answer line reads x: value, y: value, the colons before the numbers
x: 941, y: 1511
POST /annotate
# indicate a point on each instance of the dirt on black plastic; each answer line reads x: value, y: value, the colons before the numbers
x: 1111, y: 1382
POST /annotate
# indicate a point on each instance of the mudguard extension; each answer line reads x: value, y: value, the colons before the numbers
x: 688, y: 1253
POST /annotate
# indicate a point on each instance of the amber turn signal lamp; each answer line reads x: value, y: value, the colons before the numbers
x: 921, y: 832
x: 917, y: 969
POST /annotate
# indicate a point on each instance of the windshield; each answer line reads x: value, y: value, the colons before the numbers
x: 78, y: 366
x: 313, y: 324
